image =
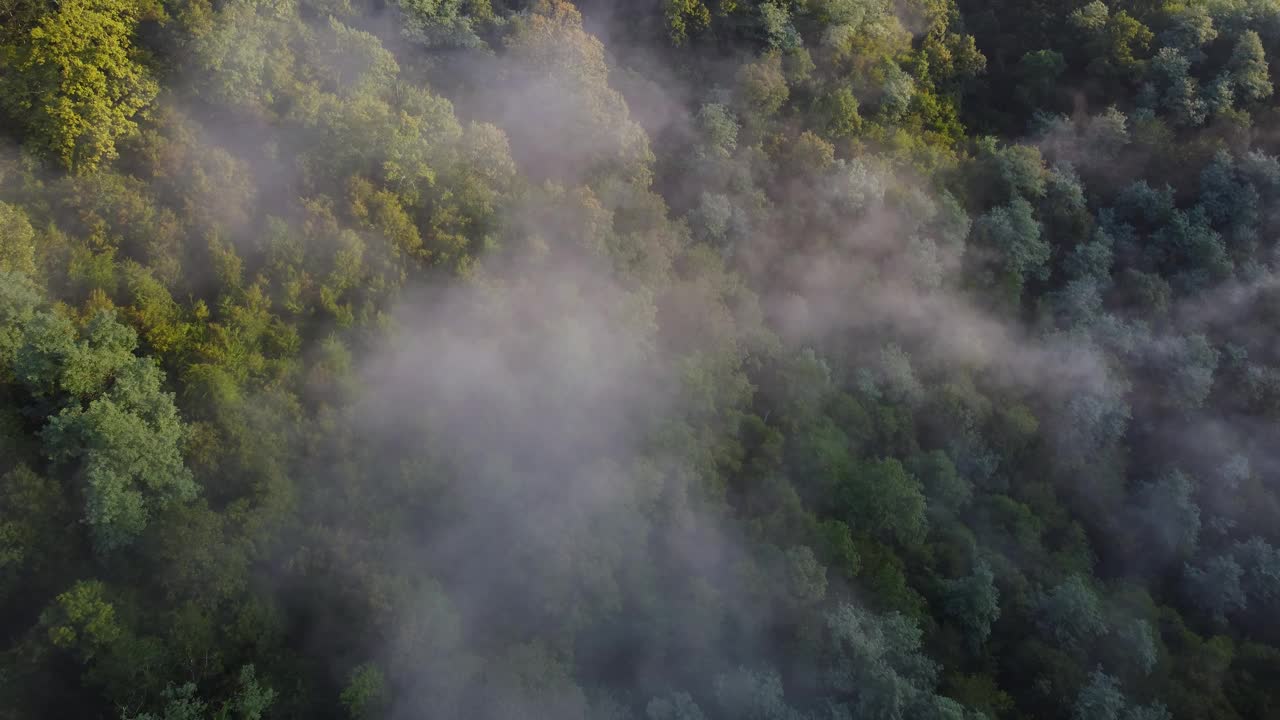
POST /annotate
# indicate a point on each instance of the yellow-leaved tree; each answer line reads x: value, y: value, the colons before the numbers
x: 73, y: 80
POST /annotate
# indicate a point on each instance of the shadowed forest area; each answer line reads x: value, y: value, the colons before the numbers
x: 644, y: 360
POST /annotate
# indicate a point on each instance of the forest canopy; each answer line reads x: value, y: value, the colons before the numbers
x: 646, y: 360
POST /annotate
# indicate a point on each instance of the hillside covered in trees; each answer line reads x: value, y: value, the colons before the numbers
x: 648, y: 360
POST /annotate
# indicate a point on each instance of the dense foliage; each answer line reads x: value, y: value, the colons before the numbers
x: 659, y: 359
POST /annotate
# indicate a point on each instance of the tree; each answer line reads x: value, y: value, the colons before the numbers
x: 807, y: 578
x: 1038, y: 74
x: 119, y: 432
x: 1071, y: 614
x: 17, y: 241
x: 82, y: 619
x: 685, y: 19
x: 762, y: 90
x: 753, y: 695
x: 718, y: 129
x: 1249, y: 69
x: 1228, y: 199
x: 974, y: 602
x: 1091, y: 17
x: 875, y: 667
x: 365, y: 695
x: 55, y: 360
x: 1200, y: 256
x: 76, y: 83
x: 529, y: 679
x: 1102, y: 699
x: 776, y: 21
x: 1260, y: 563
x: 1013, y: 231
x: 1112, y: 43
x: 33, y: 527
x: 1012, y: 171
x: 896, y: 93
x: 1143, y: 206
x: 559, y: 69
x: 838, y: 111
x: 1126, y: 40
x: 1215, y: 585
x: 882, y: 498
x: 1168, y: 517
x: 19, y: 302
x: 1137, y: 642
x: 1262, y: 171
x: 898, y: 378
x: 1181, y: 91
x: 181, y: 702
x: 1192, y: 28
x: 445, y: 23
x: 1092, y: 260
x: 945, y: 489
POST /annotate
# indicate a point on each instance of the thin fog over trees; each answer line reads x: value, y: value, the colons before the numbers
x: 651, y: 360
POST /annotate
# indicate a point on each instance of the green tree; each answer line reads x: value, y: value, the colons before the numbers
x: 56, y: 360
x: 446, y: 23
x: 1192, y: 28
x: 1260, y: 563
x: 882, y: 498
x: 1071, y: 613
x: 182, y: 702
x: 1102, y: 699
x: 1179, y: 90
x: 1113, y: 43
x: 752, y: 695
x: 1249, y: 68
x: 875, y: 667
x: 838, y: 112
x: 685, y: 19
x: 762, y: 90
x: 1168, y: 518
x: 365, y: 695
x: 82, y: 620
x: 974, y: 602
x: 557, y: 66
x: 1038, y: 73
x: 1013, y: 231
x: 33, y: 527
x: 118, y: 431
x: 76, y: 83
x: 20, y: 300
x: 1216, y: 586
x: 17, y: 241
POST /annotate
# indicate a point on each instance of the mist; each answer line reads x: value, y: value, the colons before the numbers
x: 685, y: 360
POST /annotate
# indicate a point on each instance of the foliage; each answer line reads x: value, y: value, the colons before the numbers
x: 75, y: 82
x: 697, y: 359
